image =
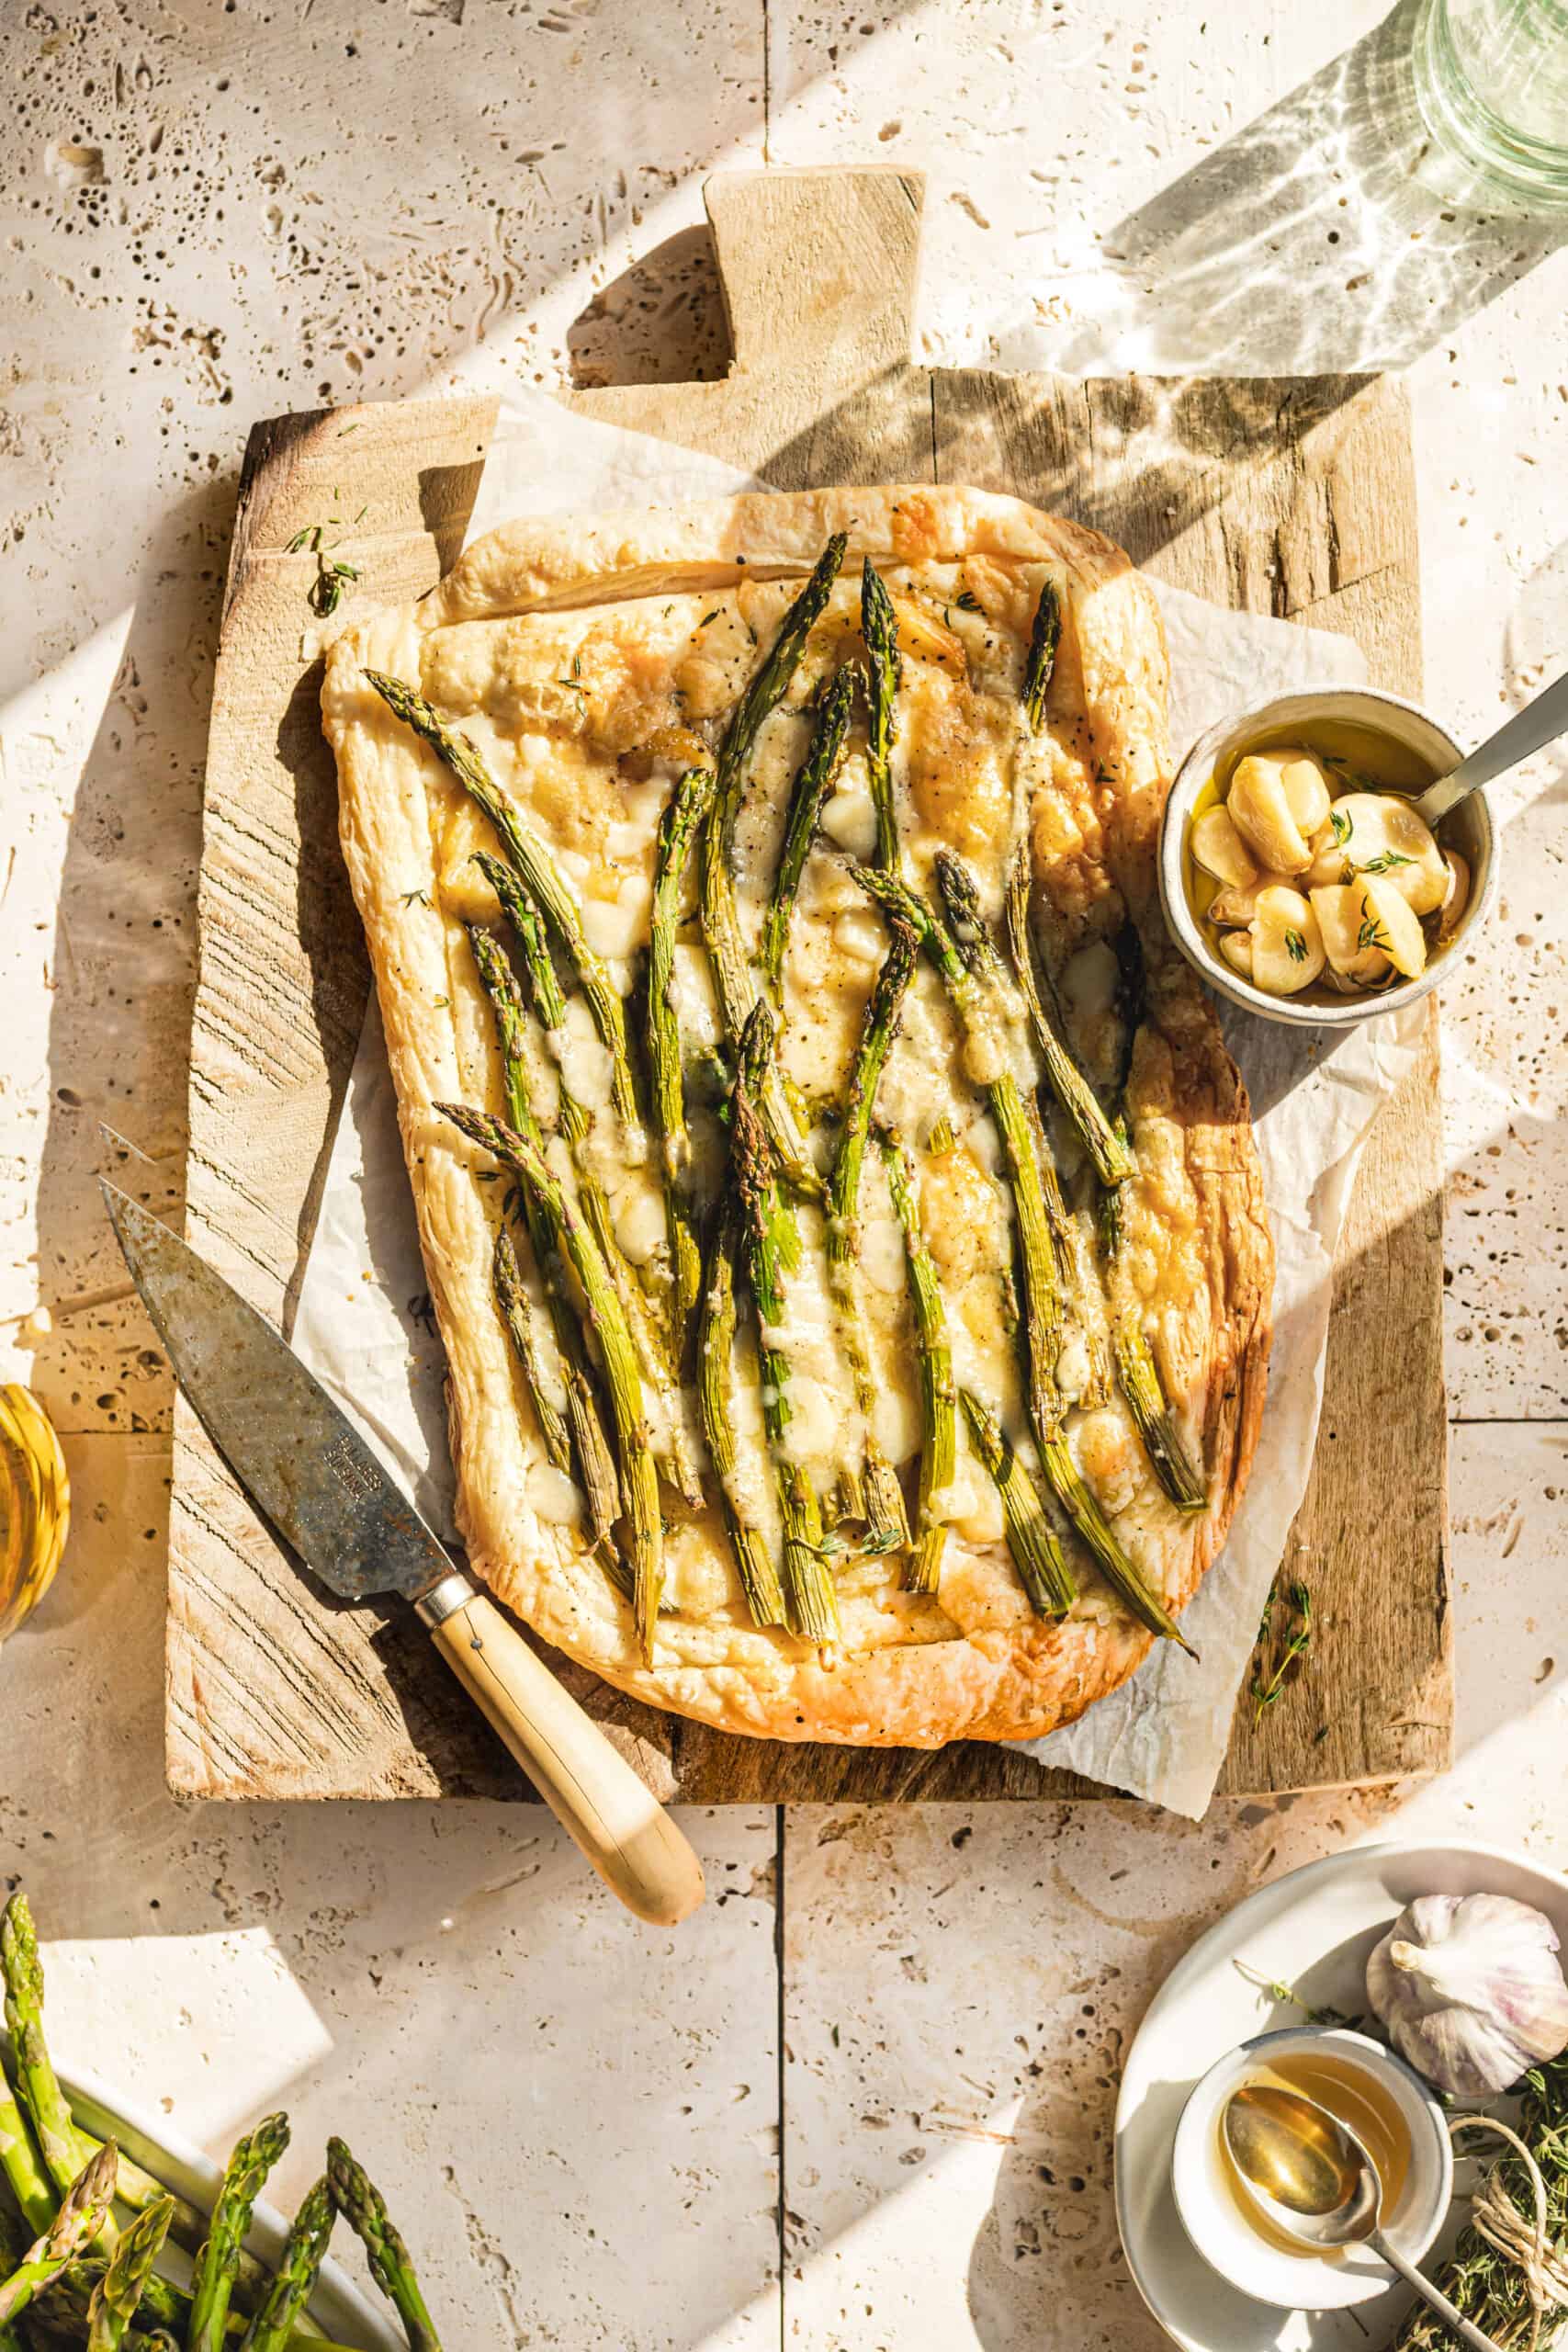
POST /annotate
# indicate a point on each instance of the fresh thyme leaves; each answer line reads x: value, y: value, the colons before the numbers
x: 1488, y: 2287
x: 1340, y: 826
x: 332, y: 574
x: 1386, y: 859
x: 710, y: 617
x: 1371, y: 933
x: 1279, y: 1990
x: 326, y: 590
x: 967, y: 602
x: 1296, y: 947
x: 1287, y: 1625
x: 414, y: 898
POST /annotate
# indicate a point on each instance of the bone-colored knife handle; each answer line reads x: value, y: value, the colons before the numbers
x: 590, y: 1789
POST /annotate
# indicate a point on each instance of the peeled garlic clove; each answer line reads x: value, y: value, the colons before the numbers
x: 1458, y: 898
x: 1350, y: 947
x: 1219, y: 848
x: 1374, y: 832
x: 1306, y: 789
x: 1263, y: 816
x: 1237, y: 949
x: 1399, y: 932
x: 1237, y: 903
x: 1287, y: 945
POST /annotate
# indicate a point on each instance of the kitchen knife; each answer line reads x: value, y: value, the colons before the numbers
x: 308, y: 1468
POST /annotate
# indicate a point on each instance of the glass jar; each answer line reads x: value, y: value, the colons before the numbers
x: 1492, y: 83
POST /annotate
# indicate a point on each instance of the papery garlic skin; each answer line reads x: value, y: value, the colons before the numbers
x: 1471, y: 1990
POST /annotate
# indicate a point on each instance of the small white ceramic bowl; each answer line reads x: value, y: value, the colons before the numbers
x: 1213, y: 2221
x: 1468, y: 830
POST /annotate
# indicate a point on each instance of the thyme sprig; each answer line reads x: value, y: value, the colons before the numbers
x: 1287, y: 1625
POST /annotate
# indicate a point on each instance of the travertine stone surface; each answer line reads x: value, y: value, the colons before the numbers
x: 217, y: 212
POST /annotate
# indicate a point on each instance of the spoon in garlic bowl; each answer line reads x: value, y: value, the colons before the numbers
x: 1311, y: 2178
x: 1529, y: 731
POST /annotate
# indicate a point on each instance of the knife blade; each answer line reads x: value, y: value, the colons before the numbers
x: 294, y: 1451
x: 302, y: 1461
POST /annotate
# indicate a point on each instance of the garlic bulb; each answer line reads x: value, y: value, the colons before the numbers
x: 1471, y: 1990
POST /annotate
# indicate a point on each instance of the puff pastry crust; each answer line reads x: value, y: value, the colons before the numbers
x: 563, y: 648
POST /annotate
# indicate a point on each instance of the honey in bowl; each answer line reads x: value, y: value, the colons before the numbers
x: 1310, y: 871
x: 1355, y: 2096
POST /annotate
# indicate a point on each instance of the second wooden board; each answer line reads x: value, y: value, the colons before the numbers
x: 1290, y: 496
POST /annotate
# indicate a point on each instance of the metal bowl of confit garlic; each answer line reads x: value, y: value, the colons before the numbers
x: 1419, y: 751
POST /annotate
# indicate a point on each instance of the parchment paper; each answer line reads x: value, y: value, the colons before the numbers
x: 364, y: 1325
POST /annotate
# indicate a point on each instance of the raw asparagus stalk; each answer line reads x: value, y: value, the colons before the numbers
x: 299, y: 2267
x: 812, y: 785
x: 1032, y: 1540
x: 882, y: 1499
x: 772, y: 1245
x: 79, y: 2220
x: 640, y: 1480
x: 1042, y: 1298
x: 716, y: 1372
x: 589, y: 1448
x: 721, y: 917
x: 1112, y: 1158
x: 1139, y: 1376
x: 577, y: 1126
x: 216, y: 2266
x: 541, y: 878
x: 63, y: 2148
x: 1044, y: 639
x: 679, y: 827
x: 363, y: 2208
x: 879, y: 629
x: 938, y: 1396
x: 117, y: 2298
x: 66, y: 2300
x: 23, y: 2166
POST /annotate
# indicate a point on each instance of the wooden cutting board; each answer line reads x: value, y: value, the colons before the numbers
x: 1293, y: 496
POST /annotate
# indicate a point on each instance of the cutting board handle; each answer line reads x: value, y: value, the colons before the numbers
x: 818, y: 267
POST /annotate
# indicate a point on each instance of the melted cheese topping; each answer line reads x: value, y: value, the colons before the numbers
x: 568, y: 709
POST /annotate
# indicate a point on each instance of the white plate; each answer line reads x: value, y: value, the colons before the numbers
x: 338, y: 2308
x: 1313, y: 1930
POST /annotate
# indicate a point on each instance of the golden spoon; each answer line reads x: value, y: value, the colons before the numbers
x: 1311, y: 2179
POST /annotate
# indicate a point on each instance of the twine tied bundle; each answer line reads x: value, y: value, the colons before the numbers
x: 1494, y: 2216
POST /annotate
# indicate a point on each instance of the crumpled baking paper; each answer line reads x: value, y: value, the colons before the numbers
x: 363, y: 1322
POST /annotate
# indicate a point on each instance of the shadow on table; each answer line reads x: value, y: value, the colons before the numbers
x: 1329, y: 234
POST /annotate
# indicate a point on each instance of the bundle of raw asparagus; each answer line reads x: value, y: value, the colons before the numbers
x: 81, y: 2227
x: 608, y: 1342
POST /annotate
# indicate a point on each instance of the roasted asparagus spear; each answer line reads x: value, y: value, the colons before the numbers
x: 874, y: 1492
x: 721, y: 918
x: 771, y: 1239
x: 716, y: 1376
x: 811, y: 788
x: 1032, y: 1540
x: 540, y: 876
x: 639, y: 1479
x: 678, y: 830
x: 937, y: 1405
